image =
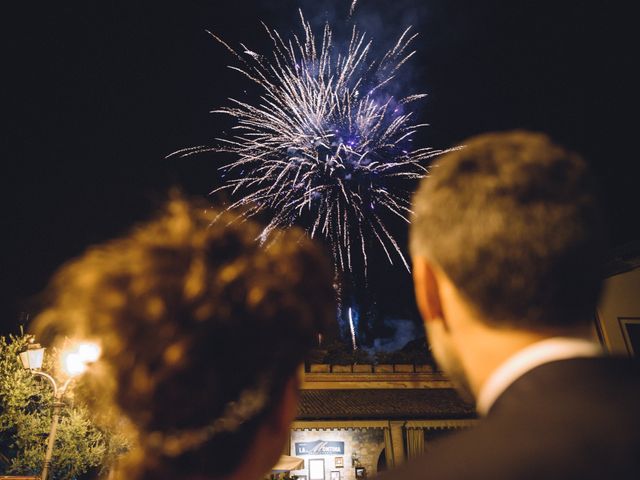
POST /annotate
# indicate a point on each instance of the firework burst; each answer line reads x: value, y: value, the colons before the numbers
x: 326, y: 146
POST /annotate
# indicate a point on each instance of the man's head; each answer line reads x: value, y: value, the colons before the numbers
x: 512, y: 224
x: 202, y: 330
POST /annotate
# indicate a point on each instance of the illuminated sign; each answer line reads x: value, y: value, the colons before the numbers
x: 320, y: 447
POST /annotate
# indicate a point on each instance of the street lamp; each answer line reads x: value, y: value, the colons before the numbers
x: 75, y: 361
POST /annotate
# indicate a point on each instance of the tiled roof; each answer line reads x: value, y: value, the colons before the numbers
x: 370, y: 404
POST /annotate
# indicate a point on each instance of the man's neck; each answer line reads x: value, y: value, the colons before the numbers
x: 484, y: 349
x: 502, y: 370
x: 487, y: 349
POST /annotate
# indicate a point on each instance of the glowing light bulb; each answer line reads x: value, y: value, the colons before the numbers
x: 73, y: 364
x: 76, y: 360
x: 89, y: 352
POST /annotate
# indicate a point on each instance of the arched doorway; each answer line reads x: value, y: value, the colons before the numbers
x: 382, y: 461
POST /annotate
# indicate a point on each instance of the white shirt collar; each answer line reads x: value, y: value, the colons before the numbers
x: 549, y: 350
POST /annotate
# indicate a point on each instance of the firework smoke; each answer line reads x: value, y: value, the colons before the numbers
x: 325, y: 146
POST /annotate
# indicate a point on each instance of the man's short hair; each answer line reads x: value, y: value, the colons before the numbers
x: 513, y: 221
x: 201, y: 328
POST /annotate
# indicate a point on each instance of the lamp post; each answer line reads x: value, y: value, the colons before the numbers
x: 74, y: 362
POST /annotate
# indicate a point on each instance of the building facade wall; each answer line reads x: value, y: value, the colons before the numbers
x: 619, y: 313
x: 363, y: 444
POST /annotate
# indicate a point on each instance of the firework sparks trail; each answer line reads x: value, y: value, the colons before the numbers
x: 324, y: 147
x: 353, y: 331
x: 353, y: 7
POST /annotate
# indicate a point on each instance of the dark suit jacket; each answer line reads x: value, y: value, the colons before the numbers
x: 569, y: 419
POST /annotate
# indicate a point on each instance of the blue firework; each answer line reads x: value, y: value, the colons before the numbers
x: 326, y: 145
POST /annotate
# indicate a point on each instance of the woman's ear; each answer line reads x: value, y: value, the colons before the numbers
x: 287, y: 409
x: 427, y: 291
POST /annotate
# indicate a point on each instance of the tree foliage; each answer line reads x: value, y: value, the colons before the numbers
x: 81, y: 446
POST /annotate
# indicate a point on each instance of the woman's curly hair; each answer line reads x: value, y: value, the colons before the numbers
x: 194, y: 317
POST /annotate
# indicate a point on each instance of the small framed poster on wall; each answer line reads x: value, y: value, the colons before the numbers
x: 335, y: 475
x: 339, y: 462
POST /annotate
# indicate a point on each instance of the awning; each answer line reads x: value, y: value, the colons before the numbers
x: 287, y: 463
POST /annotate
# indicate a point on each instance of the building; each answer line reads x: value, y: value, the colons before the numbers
x: 357, y: 420
x: 618, y: 313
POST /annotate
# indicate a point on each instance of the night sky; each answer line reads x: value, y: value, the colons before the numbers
x: 99, y: 93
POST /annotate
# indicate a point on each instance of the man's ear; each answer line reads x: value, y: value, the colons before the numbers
x: 427, y: 291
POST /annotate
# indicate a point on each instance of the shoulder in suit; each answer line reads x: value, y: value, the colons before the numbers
x: 577, y: 418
